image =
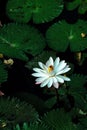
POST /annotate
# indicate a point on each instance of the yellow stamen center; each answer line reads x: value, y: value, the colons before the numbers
x: 50, y: 68
x: 83, y: 35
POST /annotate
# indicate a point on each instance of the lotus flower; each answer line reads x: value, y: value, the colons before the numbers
x: 51, y: 73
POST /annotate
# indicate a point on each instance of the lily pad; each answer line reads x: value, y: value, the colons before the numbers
x: 62, y: 35
x: 71, y: 5
x: 18, y: 39
x: 39, y: 10
x: 81, y: 6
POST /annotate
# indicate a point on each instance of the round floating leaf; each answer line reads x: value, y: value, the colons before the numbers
x: 82, y: 8
x: 19, y: 10
x: 13, y: 112
x: 15, y: 39
x: 72, y: 5
x: 57, y: 36
x: 12, y: 52
x: 46, y: 10
x: 81, y: 5
x: 39, y: 10
x: 62, y: 34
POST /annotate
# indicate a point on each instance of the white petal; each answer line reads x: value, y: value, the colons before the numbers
x: 50, y: 83
x: 39, y: 74
x: 49, y: 62
x: 42, y: 66
x: 54, y: 80
x: 38, y: 70
x: 66, y: 70
x: 63, y: 71
x: 67, y: 66
x: 56, y: 63
x: 61, y: 65
x: 41, y: 79
x: 64, y: 78
x: 56, y: 85
x: 37, y: 83
x: 59, y: 79
x: 44, y: 83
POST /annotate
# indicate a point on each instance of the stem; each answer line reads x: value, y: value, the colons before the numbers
x: 57, y: 95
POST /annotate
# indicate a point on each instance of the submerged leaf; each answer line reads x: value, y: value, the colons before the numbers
x: 77, y: 83
x: 30, y: 127
x: 77, y: 90
x: 34, y: 100
x: 12, y: 111
x: 50, y: 102
x: 58, y: 120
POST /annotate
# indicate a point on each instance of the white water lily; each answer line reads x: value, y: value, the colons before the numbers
x: 50, y: 74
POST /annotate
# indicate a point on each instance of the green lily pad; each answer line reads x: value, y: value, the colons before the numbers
x: 18, y: 39
x: 62, y: 34
x: 71, y: 5
x: 82, y: 8
x: 39, y: 10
